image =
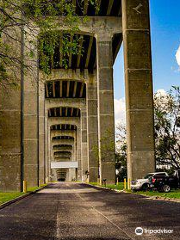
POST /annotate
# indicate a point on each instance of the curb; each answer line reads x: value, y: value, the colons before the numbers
x: 159, y: 198
x: 105, y: 188
x: 19, y: 198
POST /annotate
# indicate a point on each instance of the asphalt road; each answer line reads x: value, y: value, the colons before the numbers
x: 72, y: 211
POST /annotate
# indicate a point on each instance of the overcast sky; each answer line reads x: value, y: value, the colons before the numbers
x: 165, y: 33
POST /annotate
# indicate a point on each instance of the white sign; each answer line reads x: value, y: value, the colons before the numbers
x: 69, y: 164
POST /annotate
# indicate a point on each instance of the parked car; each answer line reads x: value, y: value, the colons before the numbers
x: 165, y: 183
x: 146, y: 182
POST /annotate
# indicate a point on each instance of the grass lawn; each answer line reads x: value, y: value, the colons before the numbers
x: 172, y: 194
x: 120, y: 185
x: 5, y: 197
x: 32, y: 189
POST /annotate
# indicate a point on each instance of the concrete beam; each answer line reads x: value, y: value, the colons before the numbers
x: 70, y: 54
x: 64, y: 151
x: 80, y: 51
x: 61, y: 159
x: 75, y: 88
x: 69, y: 142
x: 64, y: 120
x: 66, y: 74
x: 89, y: 52
x: 60, y: 133
x: 95, y: 24
x: 62, y: 147
x: 63, y: 155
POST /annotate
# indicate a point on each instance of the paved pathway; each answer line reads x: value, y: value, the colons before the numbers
x: 70, y: 211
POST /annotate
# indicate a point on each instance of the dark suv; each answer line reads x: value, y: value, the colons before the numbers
x: 164, y: 182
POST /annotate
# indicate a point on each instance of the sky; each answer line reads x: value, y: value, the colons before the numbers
x: 165, y: 37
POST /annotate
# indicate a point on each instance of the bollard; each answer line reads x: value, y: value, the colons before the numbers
x: 39, y: 183
x: 104, y: 182
x: 129, y: 184
x: 124, y: 183
x: 117, y: 181
x: 24, y: 187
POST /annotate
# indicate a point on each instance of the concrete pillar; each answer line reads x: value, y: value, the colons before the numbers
x: 92, y: 128
x: 139, y: 94
x: 11, y: 116
x: 75, y: 146
x: 73, y: 153
x: 84, y: 158
x: 79, y: 173
x: 53, y: 175
x: 46, y: 146
x: 72, y: 174
x: 41, y: 132
x: 30, y: 119
x: 49, y: 153
x: 10, y: 139
x: 106, y: 131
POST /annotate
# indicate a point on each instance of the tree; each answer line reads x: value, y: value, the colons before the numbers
x: 167, y: 128
x: 121, y: 152
x: 24, y: 18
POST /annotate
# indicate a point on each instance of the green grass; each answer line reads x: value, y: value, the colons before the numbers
x: 172, y: 194
x: 5, y: 197
x: 120, y: 185
x: 8, y: 196
x: 32, y: 189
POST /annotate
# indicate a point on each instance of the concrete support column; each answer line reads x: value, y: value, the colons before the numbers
x: 106, y: 131
x: 139, y: 94
x: 75, y: 146
x: 73, y: 155
x: 92, y: 128
x: 79, y: 173
x: 10, y: 139
x: 41, y: 133
x: 54, y: 174
x: 84, y: 158
x: 48, y: 151
x: 46, y: 146
x: 31, y: 121
x: 72, y: 174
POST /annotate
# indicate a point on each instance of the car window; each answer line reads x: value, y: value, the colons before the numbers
x: 148, y: 176
x: 160, y: 175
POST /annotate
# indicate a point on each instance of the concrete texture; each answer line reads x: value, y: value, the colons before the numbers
x: 10, y: 124
x: 31, y: 117
x: 79, y: 212
x: 139, y: 94
x: 106, y: 131
x: 41, y: 132
x: 92, y: 129
x: 84, y: 153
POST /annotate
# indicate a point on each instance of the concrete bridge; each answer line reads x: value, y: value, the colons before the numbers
x: 74, y: 107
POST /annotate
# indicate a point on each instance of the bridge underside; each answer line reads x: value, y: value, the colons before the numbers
x: 68, y: 116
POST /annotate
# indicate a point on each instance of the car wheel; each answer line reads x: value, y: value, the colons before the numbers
x: 166, y: 188
x: 144, y: 187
